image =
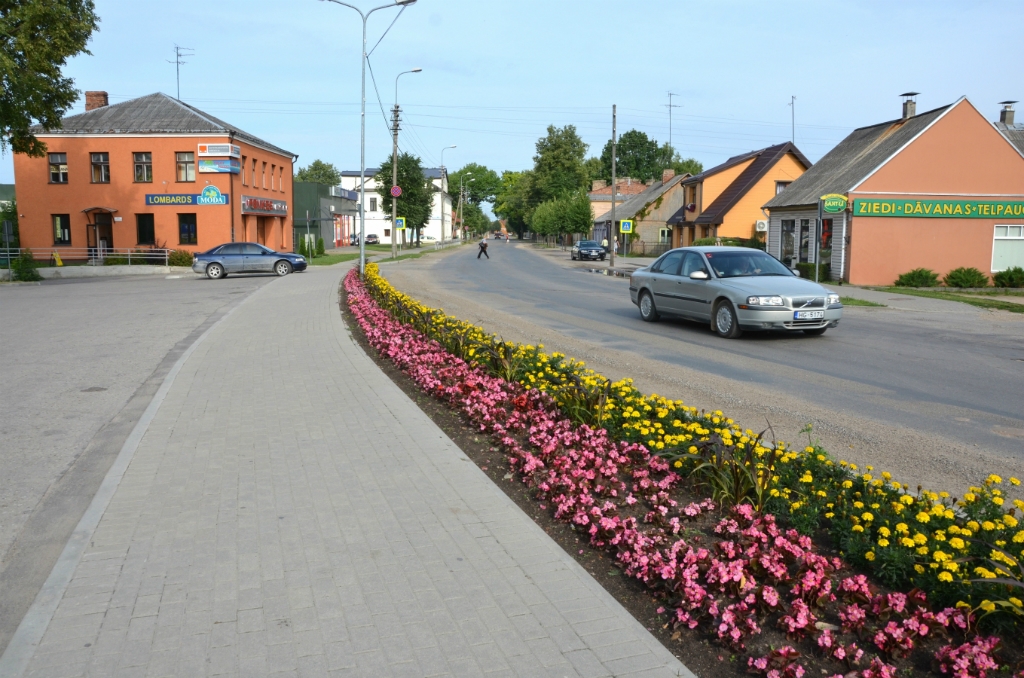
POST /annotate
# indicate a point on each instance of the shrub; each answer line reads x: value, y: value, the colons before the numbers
x: 807, y: 271
x: 300, y: 247
x: 919, y: 277
x: 1011, y: 277
x: 320, y: 247
x: 965, y: 277
x: 115, y: 261
x: 705, y: 242
x: 24, y: 267
x: 180, y: 258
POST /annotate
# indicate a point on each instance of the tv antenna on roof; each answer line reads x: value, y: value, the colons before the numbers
x: 670, y: 106
x: 179, y: 54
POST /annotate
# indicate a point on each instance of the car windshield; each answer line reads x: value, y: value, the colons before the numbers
x: 587, y: 243
x: 743, y: 264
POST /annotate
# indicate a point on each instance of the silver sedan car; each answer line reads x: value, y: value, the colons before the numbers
x: 734, y: 289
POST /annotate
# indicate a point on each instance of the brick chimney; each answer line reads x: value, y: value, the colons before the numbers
x: 909, y: 104
x: 666, y: 175
x: 599, y: 184
x: 1006, y: 114
x: 95, y: 100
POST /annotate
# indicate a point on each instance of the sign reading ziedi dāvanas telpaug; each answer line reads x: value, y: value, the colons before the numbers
x: 948, y: 209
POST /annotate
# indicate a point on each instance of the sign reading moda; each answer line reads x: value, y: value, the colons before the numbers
x: 256, y: 205
x: 962, y: 209
x: 211, y: 195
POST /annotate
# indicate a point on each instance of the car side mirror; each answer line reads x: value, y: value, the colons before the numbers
x: 796, y: 271
x: 699, y: 275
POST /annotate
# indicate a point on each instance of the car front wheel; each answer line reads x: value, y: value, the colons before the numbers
x: 647, y: 310
x: 282, y: 268
x: 214, y: 271
x: 726, y: 324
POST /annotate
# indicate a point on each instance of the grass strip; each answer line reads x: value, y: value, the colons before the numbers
x: 330, y: 259
x: 850, y: 301
x: 980, y: 302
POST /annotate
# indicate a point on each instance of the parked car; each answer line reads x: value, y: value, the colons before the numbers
x: 735, y: 289
x: 353, y: 240
x: 587, y: 249
x: 428, y: 239
x: 246, y: 257
x: 372, y: 239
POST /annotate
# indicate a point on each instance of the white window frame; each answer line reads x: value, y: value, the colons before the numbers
x: 996, y: 238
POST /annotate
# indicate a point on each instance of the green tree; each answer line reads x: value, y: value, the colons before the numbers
x: 569, y: 213
x: 558, y: 166
x: 320, y: 172
x: 417, y: 192
x: 672, y: 159
x: 513, y: 202
x: 37, y: 37
x: 10, y: 213
x: 474, y: 218
x: 642, y: 158
x: 484, y: 187
x: 595, y: 169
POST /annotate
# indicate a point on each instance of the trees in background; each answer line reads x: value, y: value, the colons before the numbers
x: 642, y: 158
x: 569, y: 213
x: 512, y: 202
x: 417, y: 192
x: 320, y: 172
x: 558, y: 167
x: 484, y: 187
x: 39, y: 36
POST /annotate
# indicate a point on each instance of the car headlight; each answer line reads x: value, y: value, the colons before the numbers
x: 765, y: 301
x: 833, y: 299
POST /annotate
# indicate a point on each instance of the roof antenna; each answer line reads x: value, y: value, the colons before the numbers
x: 179, y: 54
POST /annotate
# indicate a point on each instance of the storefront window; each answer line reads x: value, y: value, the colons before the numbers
x: 100, y: 168
x: 61, y: 229
x: 788, y: 242
x: 145, y: 229
x: 58, y: 168
x: 805, y: 240
x: 187, y: 229
x: 186, y: 166
x: 144, y: 168
x: 1008, y: 248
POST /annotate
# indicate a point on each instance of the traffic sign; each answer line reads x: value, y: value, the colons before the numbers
x: 399, y: 222
x: 396, y: 191
x: 626, y: 226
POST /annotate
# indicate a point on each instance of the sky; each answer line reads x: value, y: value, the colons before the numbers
x: 496, y: 73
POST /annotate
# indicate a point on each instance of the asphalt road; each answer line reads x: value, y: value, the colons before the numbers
x: 81, y: 361
x: 952, y: 372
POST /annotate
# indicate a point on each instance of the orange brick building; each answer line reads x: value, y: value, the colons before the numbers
x: 151, y: 172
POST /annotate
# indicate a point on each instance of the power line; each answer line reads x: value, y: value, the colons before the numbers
x: 389, y: 28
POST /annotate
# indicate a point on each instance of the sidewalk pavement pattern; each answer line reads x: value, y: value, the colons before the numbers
x: 289, y: 511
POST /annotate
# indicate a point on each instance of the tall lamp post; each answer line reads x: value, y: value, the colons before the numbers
x: 394, y: 166
x: 362, y: 128
x: 462, y: 192
x: 441, y: 199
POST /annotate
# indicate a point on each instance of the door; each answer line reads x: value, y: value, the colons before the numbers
x: 694, y: 295
x: 663, y: 283
x: 789, y: 243
x: 257, y: 258
x: 261, y: 230
x: 232, y: 258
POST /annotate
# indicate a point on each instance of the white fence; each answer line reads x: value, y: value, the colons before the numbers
x: 90, y: 256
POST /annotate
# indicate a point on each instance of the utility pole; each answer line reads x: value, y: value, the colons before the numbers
x: 792, y: 105
x: 670, y: 107
x: 612, y: 235
x: 179, y: 54
x: 394, y: 179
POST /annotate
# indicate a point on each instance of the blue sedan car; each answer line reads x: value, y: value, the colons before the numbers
x: 246, y: 257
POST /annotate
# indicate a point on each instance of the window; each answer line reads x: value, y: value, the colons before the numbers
x: 373, y: 204
x: 826, y: 237
x: 61, y: 229
x: 144, y: 229
x: 100, y: 168
x: 691, y: 264
x: 58, y: 168
x: 187, y: 229
x: 263, y: 176
x: 186, y: 166
x: 780, y: 186
x: 243, y: 169
x: 669, y: 263
x: 665, y: 235
x: 1008, y: 248
x: 273, y: 175
x: 254, y: 172
x: 143, y: 168
x: 280, y: 179
x: 788, y: 255
x: 387, y: 232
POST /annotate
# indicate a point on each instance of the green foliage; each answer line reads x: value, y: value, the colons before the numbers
x: 320, y: 247
x: 301, y: 247
x: 965, y: 277
x: 180, y: 258
x: 1011, y: 277
x: 705, y: 242
x: 567, y: 214
x: 474, y: 219
x: 319, y: 172
x: 512, y: 201
x: 115, y: 261
x: 484, y: 186
x: 10, y: 213
x: 642, y: 158
x: 24, y: 267
x: 807, y: 271
x: 595, y: 169
x: 919, y: 277
x: 558, y: 165
x: 417, y: 191
x: 39, y: 36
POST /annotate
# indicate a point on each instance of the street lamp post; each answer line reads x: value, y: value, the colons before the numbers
x: 441, y: 199
x: 362, y: 128
x: 462, y: 192
x: 394, y: 166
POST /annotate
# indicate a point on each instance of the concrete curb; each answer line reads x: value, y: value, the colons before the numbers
x: 66, y: 272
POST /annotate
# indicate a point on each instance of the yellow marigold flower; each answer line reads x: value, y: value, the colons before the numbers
x: 948, y: 515
x: 867, y: 517
x: 951, y: 566
x: 870, y: 555
x: 988, y: 526
x: 957, y: 543
x: 884, y: 531
x: 908, y: 542
x: 973, y: 525
x: 858, y: 504
x: 857, y: 528
x: 998, y: 501
x: 994, y: 479
x: 920, y: 539
x: 940, y: 557
x: 847, y: 484
x: 1016, y: 601
x: 922, y: 517
x: 886, y: 475
x: 830, y: 515
x: 988, y: 606
x: 907, y: 499
x: 969, y: 497
x: 883, y: 542
x: 923, y: 551
x: 919, y: 569
x: 1009, y: 520
x: 678, y: 464
x: 1014, y: 481
x: 901, y: 527
x: 945, y: 576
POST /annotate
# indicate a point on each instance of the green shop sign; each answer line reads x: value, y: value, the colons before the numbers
x: 833, y: 203
x: 961, y: 209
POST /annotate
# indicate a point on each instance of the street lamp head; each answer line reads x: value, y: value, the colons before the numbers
x: 416, y: 70
x: 405, y: 2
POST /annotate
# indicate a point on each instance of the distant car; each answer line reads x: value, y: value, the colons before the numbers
x: 372, y: 239
x: 353, y: 240
x: 587, y: 249
x: 428, y: 238
x: 735, y: 289
x: 246, y: 257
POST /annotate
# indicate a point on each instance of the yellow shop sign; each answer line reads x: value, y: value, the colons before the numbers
x: 948, y: 209
x: 833, y: 203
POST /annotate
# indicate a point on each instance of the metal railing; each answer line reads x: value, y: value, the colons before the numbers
x: 89, y: 256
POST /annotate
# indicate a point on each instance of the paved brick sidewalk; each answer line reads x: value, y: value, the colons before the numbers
x: 290, y: 511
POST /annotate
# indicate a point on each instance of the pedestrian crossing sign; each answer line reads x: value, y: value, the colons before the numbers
x: 400, y: 223
x: 626, y: 226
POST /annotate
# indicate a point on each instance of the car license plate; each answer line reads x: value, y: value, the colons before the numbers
x: 808, y: 315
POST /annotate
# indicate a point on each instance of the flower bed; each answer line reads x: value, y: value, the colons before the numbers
x: 584, y: 444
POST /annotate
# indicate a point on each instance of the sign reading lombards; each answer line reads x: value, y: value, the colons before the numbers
x: 961, y: 209
x: 211, y: 195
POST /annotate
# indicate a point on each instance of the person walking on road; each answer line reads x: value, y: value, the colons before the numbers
x: 483, y: 248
